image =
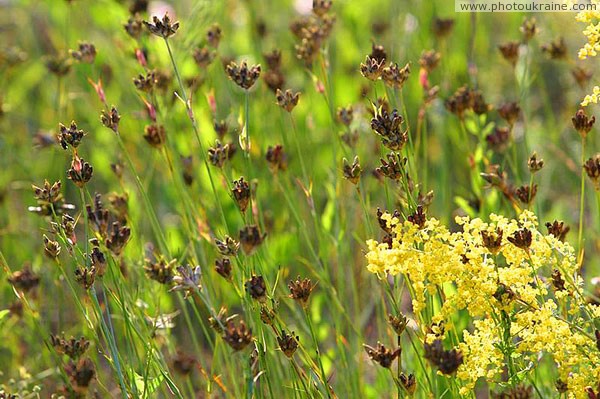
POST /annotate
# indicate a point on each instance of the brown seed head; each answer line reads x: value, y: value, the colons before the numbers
x: 85, y: 53
x: 394, y: 76
x: 581, y: 75
x: 277, y: 158
x: 241, y: 193
x: 118, y: 237
x: 163, y: 28
x: 300, y: 290
x: 24, y: 280
x: 256, y: 288
x: 492, y: 240
x: 529, y: 29
x: 447, y: 361
x: 251, y: 238
x: 592, y: 169
x: 218, y: 154
x: 288, y: 343
x: 204, y: 56
x: 160, y: 269
x: 213, y: 35
x: 51, y: 248
x: 345, y: 115
x: 582, y: 123
x: 534, y: 164
x: 429, y: 60
x: 372, y: 68
x: 442, y: 27
x: 352, y: 172
x: 242, y: 75
x: 393, y: 168
x: 510, y: 52
x: 409, y: 383
x: 509, y: 112
x: 526, y: 193
x: 73, y: 348
x: 382, y: 355
x: 558, y: 229
x: 521, y: 239
x: 389, y: 127
x: 80, y: 374
x: 556, y: 49
x: 184, y: 363
x: 398, y: 323
x: 228, y: 246
x: 85, y: 276
x: 80, y: 172
x: 133, y: 27
x: 223, y: 267
x: 111, y: 119
x: 418, y: 217
x: 499, y: 139
x: 70, y: 136
x: 237, y: 336
x: 287, y: 100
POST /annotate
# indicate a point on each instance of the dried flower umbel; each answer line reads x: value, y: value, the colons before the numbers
x: 118, y: 236
x: 227, y: 246
x: 49, y: 199
x: 418, y: 217
x: 70, y: 136
x: 51, y: 248
x: 558, y: 229
x: 393, y: 168
x: 352, y: 172
x: 86, y: 53
x: 521, y: 239
x: 582, y: 123
x: 288, y: 343
x: 389, y: 127
x: 372, y: 68
x: 80, y: 374
x: 534, y: 164
x: 111, y: 119
x: 510, y: 52
x: 242, y: 75
x: 73, y: 348
x: 526, y: 194
x: 287, y: 100
x: 492, y: 240
x: 256, y: 288
x: 160, y: 269
x: 447, y: 361
x: 223, y: 268
x: 556, y: 49
x: 163, y: 28
x: 85, y: 276
x: 98, y: 261
x: 382, y: 355
x: 300, y: 290
x: 592, y: 169
x: 80, y: 172
x: 277, y: 158
x: 241, y: 193
x: 145, y: 83
x: 398, y: 323
x: 394, y: 76
x: 237, y: 336
x: 218, y: 154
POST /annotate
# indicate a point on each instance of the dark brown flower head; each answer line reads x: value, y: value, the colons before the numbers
x: 98, y: 216
x: 529, y: 29
x: 429, y: 60
x: 393, y: 168
x: 73, y: 348
x: 277, y: 158
x: 80, y: 374
x: 394, y: 76
x: 372, y: 68
x: 558, y: 229
x: 556, y: 49
x: 184, y: 363
x: 204, y: 56
x: 67, y: 226
x: 521, y: 239
x: 118, y: 237
x: 213, y: 35
x: 321, y: 7
x: 221, y: 128
x: 344, y: 115
x: 398, y: 323
x: 582, y: 76
x: 534, y: 164
x: 98, y: 261
x: 48, y: 193
x: 218, y: 154
x: 498, y: 179
x: 85, y: 276
x: 418, y: 217
x: 378, y: 52
x: 504, y: 294
x: 273, y: 60
x: 300, y: 290
x: 228, y: 246
x: 557, y: 280
x: 383, y: 224
x: 238, y: 336
x: 382, y: 355
x: 133, y: 27
x: 241, y: 193
x: 256, y: 288
x: 80, y: 172
x: 111, y: 119
x: 582, y: 123
x: 58, y: 65
x: 352, y: 172
x: 447, y: 361
x: 459, y: 102
x: 561, y: 386
x: 480, y: 107
x: 51, y: 248
x: 70, y: 136
x: 409, y: 383
x: 442, y: 27
x: 509, y: 112
x: 592, y: 169
x: 24, y: 280
x: 163, y: 28
x: 288, y: 343
x: 223, y: 267
x: 526, y: 193
x: 188, y: 279
x: 389, y: 127
x: 160, y: 269
x: 287, y: 100
x: 145, y: 83
x: 518, y: 392
x: 492, y: 240
x: 85, y: 53
x: 251, y: 238
x: 510, y: 52
x: 275, y: 79
x: 499, y: 139
x: 242, y: 75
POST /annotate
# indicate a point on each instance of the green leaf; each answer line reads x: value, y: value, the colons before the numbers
x: 147, y: 385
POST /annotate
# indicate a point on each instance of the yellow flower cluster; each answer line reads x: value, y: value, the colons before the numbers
x: 505, y: 288
x: 592, y: 47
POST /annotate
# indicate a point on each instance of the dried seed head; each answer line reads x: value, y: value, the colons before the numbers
x: 118, y: 237
x: 442, y: 26
x: 382, y: 355
x: 241, y: 193
x: 529, y: 29
x: 85, y: 53
x: 499, y: 139
x: 98, y: 261
x: 558, y: 229
x: 237, y: 336
x: 223, y: 267
x: 288, y: 343
x: 372, y: 68
x: 383, y: 224
x: 352, y: 172
x: 277, y: 158
x: 394, y: 76
x: 287, y: 100
x: 51, y: 248
x: 398, y: 323
x: 557, y: 280
x: 145, y: 83
x: 80, y: 172
x: 243, y: 76
x: 534, y: 164
x: 133, y: 27
x: 592, y: 169
x: 80, y: 374
x: 163, y: 28
x: 273, y: 59
x: 409, y: 383
x: 510, y: 52
x: 221, y: 128
x: 204, y: 56
x: 73, y: 348
x: 251, y: 238
x: 24, y: 280
x: 509, y: 112
x: 561, y: 386
x: 521, y: 239
x: 418, y: 217
x: 160, y: 269
x: 220, y: 320
x: 582, y: 123
x: 70, y: 136
x: 393, y: 168
x: 98, y: 216
x: 429, y: 60
x: 556, y: 49
x: 111, y: 119
x: 85, y: 277
x: 480, y: 107
x: 526, y: 194
x: 184, y: 363
x: 447, y: 361
x: 492, y: 241
x: 582, y: 76
x: 504, y: 294
x: 213, y: 35
x: 344, y: 115
x: 389, y: 127
x: 459, y: 102
x: 228, y: 246
x: 256, y: 288
x: 188, y: 279
x: 218, y: 154
x: 300, y: 290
